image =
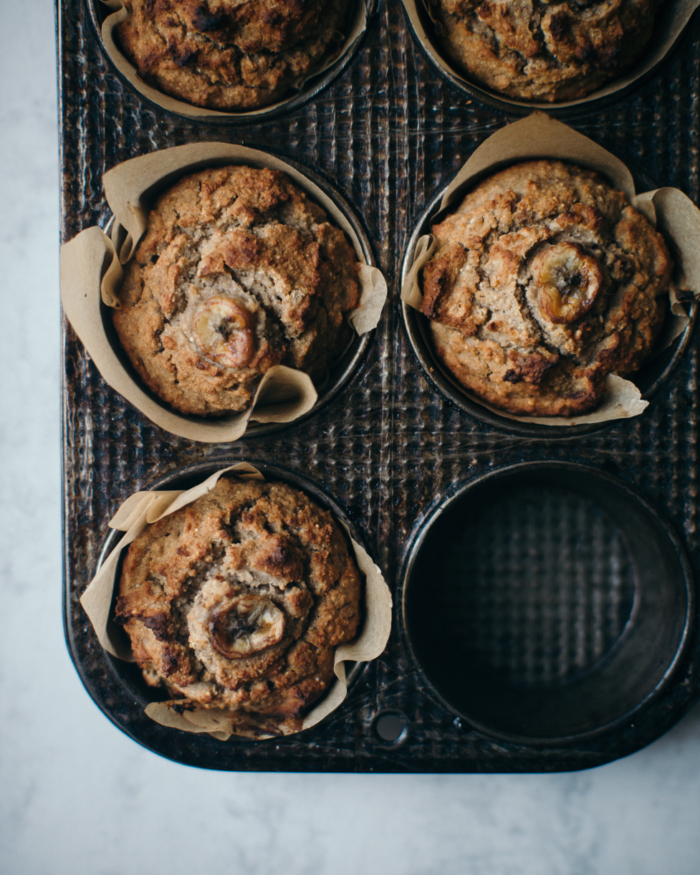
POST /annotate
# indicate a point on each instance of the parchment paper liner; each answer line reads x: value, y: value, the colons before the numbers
x: 144, y: 508
x: 539, y: 136
x: 356, y: 29
x: 669, y: 26
x: 91, y: 272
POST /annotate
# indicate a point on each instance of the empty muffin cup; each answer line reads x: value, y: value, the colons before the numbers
x: 546, y: 602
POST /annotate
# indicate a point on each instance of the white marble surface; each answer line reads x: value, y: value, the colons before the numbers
x: 79, y: 797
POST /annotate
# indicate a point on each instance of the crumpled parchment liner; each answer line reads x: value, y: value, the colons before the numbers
x: 539, y: 136
x: 91, y: 269
x: 668, y: 29
x: 356, y: 28
x: 142, y: 509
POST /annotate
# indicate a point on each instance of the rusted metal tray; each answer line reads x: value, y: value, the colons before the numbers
x: 388, y: 133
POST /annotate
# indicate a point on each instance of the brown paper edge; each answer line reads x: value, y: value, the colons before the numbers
x: 91, y: 271
x: 144, y: 508
x: 540, y: 136
x: 202, y: 114
x: 673, y: 26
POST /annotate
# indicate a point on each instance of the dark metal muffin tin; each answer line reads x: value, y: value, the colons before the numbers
x: 388, y: 133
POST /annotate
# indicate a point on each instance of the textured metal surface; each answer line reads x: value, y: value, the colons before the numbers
x: 387, y: 134
x: 552, y: 586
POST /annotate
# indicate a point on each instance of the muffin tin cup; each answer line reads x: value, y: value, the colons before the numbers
x: 522, y: 631
x: 673, y: 18
x: 540, y: 136
x: 104, y: 14
x: 91, y: 271
x: 146, y: 507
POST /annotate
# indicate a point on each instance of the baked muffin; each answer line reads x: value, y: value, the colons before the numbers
x: 544, y: 281
x: 542, y: 49
x: 228, y: 54
x: 238, y: 271
x: 238, y: 600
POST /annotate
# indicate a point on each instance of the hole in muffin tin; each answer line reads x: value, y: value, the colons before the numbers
x: 651, y: 377
x: 128, y: 673
x: 315, y: 84
x: 340, y: 373
x: 546, y: 601
x: 391, y: 727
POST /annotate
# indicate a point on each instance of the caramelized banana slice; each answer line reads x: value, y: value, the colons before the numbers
x: 568, y: 281
x: 223, y: 332
x: 244, y: 625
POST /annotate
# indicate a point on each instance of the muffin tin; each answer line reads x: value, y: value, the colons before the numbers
x: 390, y: 449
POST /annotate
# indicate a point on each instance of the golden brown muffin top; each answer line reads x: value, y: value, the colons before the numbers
x: 237, y: 271
x: 544, y: 281
x: 230, y: 54
x: 239, y: 599
x: 545, y: 50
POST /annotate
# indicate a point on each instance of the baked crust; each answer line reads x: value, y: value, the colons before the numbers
x: 238, y: 271
x: 544, y: 281
x: 543, y: 49
x: 239, y: 599
x: 230, y: 54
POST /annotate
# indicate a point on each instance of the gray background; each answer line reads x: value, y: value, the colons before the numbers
x: 79, y: 797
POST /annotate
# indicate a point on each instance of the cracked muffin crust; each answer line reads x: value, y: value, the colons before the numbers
x: 545, y: 280
x: 238, y: 600
x: 543, y: 49
x: 237, y: 271
x: 230, y: 54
